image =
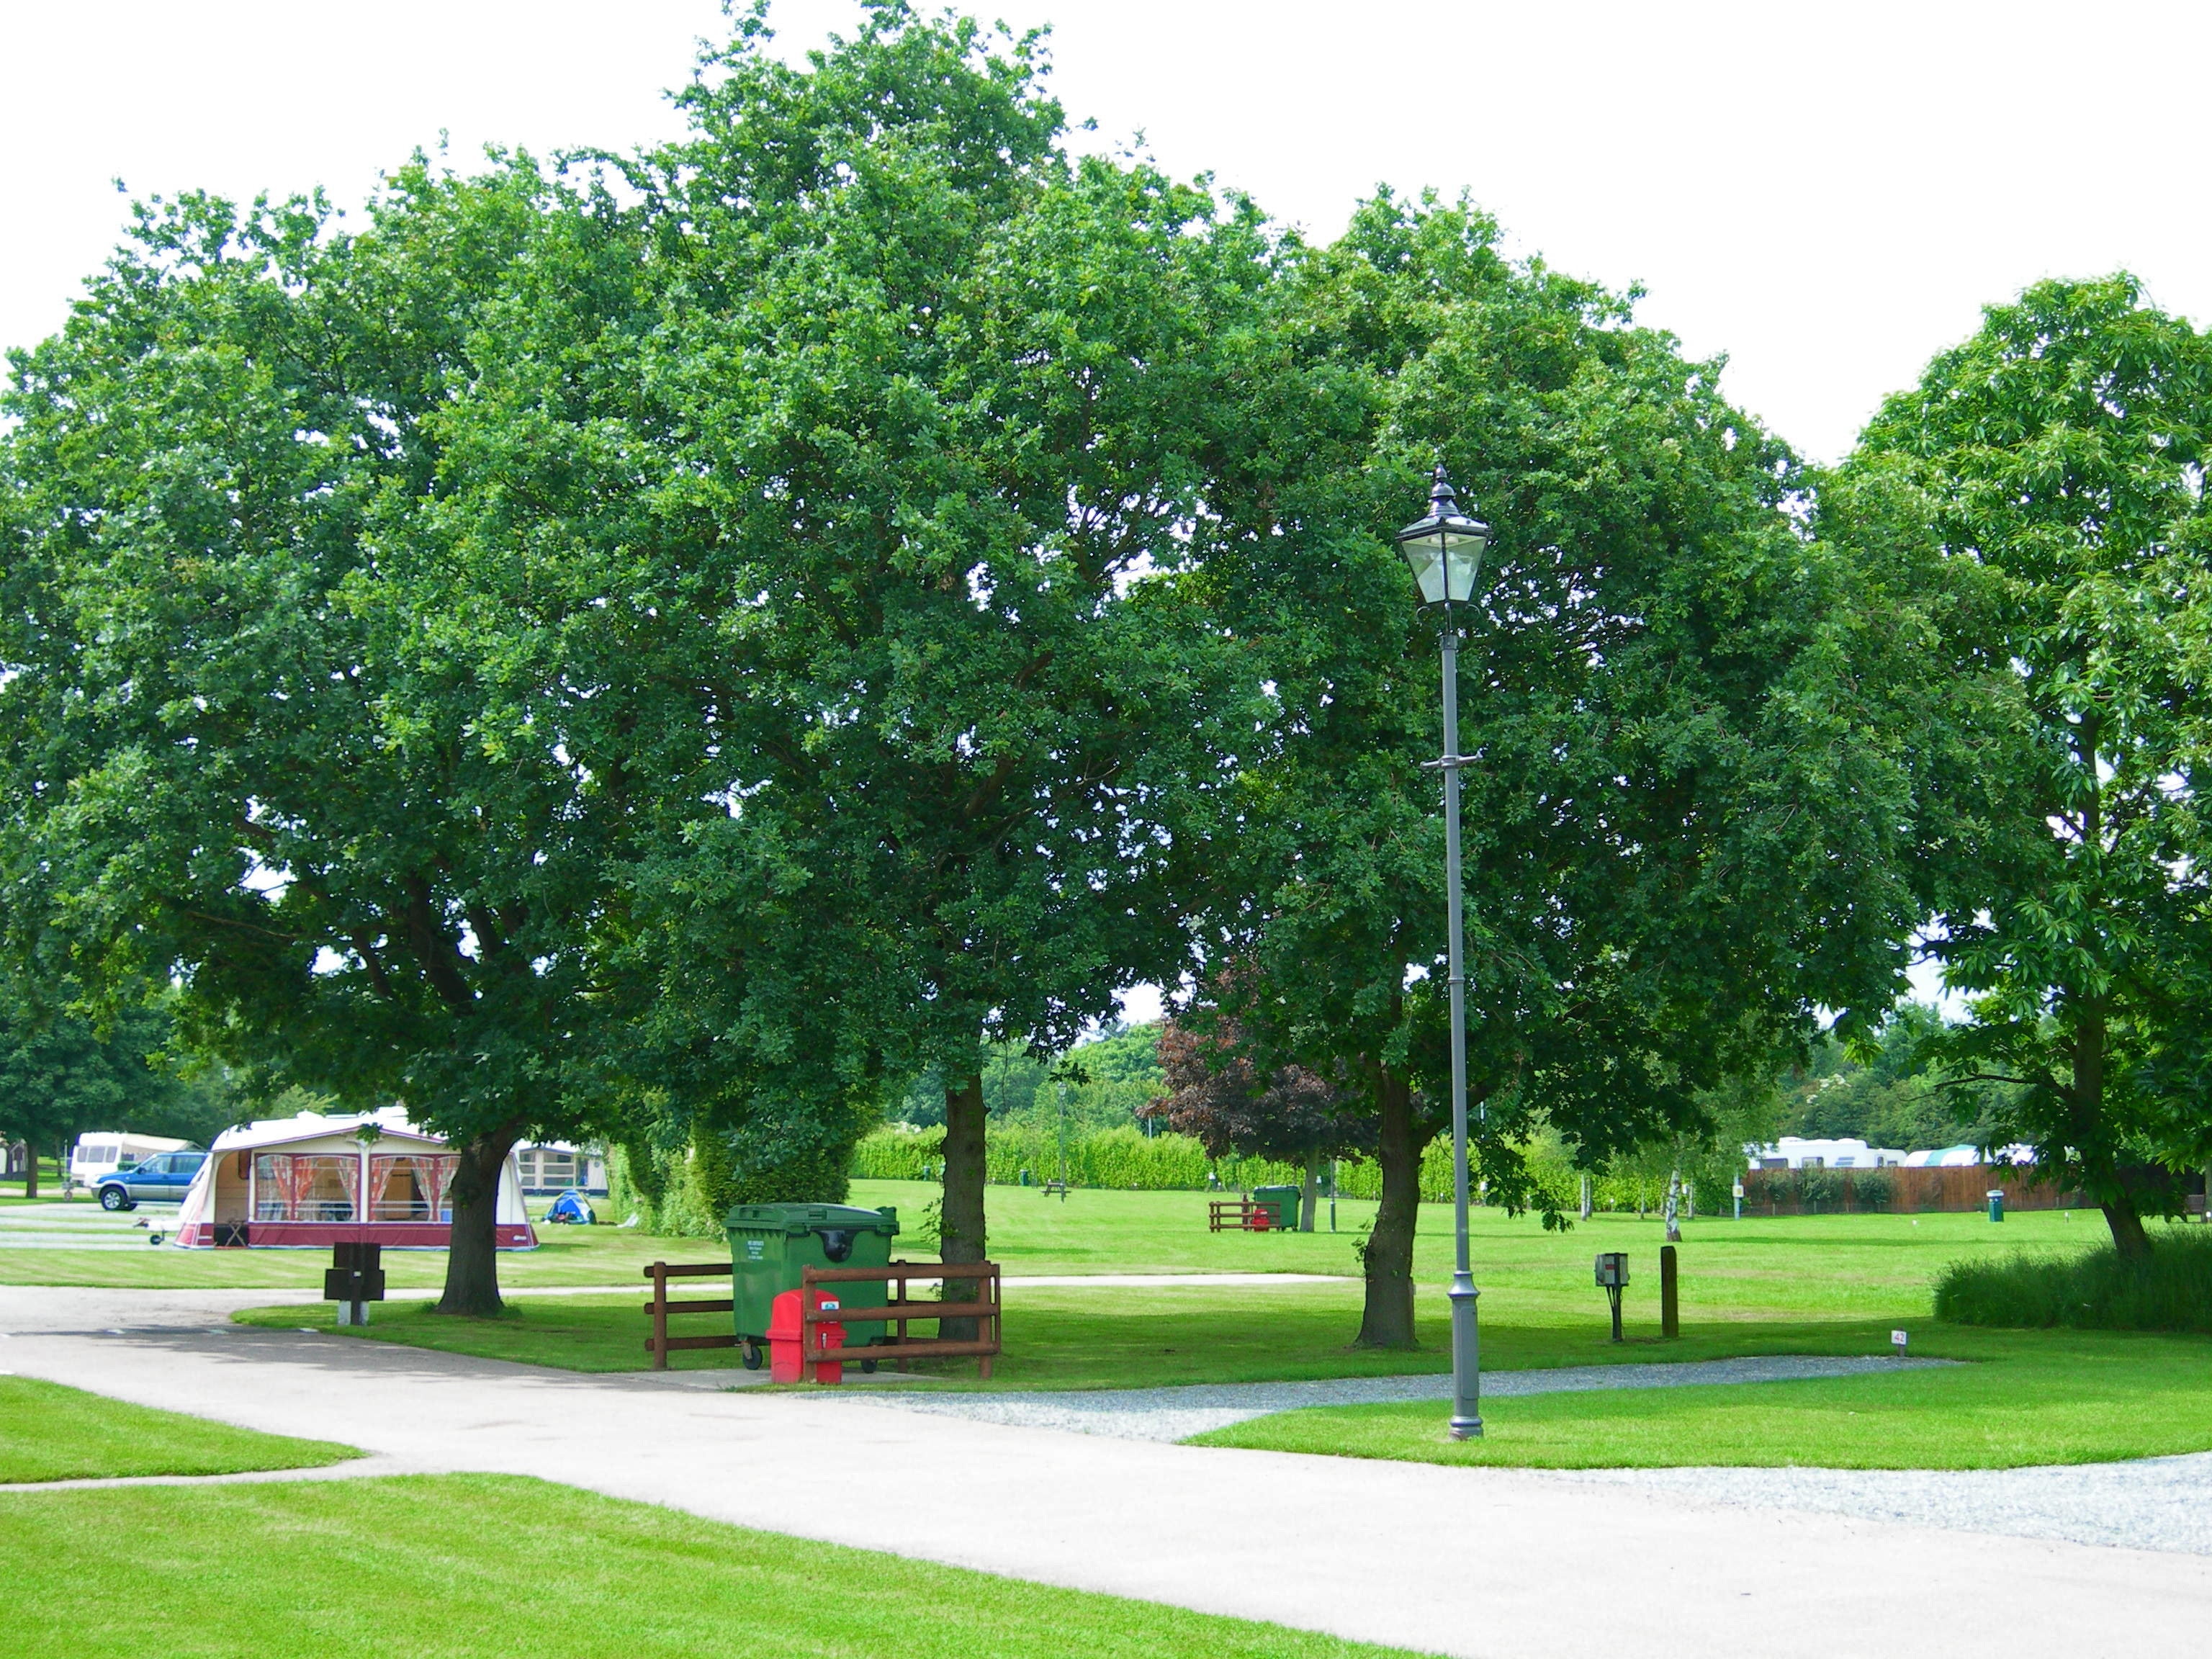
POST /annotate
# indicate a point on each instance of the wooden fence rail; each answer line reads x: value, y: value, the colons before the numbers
x: 658, y: 1344
x: 899, y: 1311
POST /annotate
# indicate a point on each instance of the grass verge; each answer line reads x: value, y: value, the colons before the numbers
x: 1111, y: 1337
x: 484, y: 1567
x: 2029, y: 1398
x: 48, y: 1433
x: 1856, y: 1267
x: 2090, y: 1290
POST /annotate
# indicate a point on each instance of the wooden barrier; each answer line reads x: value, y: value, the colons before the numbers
x: 1958, y: 1188
x: 660, y: 1307
x: 900, y: 1311
x: 1234, y: 1215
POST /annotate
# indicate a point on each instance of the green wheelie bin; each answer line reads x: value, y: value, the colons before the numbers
x: 770, y: 1242
x: 1281, y: 1203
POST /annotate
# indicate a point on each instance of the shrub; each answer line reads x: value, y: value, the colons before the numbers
x: 1872, y: 1189
x: 2095, y: 1290
x: 1820, y: 1189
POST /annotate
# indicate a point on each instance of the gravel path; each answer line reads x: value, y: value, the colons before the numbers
x: 1179, y: 1412
x: 2154, y: 1504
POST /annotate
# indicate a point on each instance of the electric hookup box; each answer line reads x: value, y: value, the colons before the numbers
x: 354, y: 1280
x: 1613, y: 1268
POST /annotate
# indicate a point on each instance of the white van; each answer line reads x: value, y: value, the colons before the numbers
x: 101, y: 1152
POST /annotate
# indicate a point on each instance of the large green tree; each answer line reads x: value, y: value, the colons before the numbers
x: 61, y: 1076
x: 1681, y: 810
x: 248, y: 744
x: 2050, y: 472
x: 879, y: 474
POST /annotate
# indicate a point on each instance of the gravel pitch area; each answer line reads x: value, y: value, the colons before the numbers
x: 1179, y: 1412
x: 2154, y: 1504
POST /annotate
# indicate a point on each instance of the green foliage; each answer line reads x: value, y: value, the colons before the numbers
x: 2047, y: 478
x: 1675, y: 852
x: 1121, y: 1157
x: 2168, y: 1290
x: 251, y: 735
x: 1819, y: 1190
x: 1106, y: 1081
x: 686, y: 1190
x: 60, y: 1076
x: 1892, y: 1088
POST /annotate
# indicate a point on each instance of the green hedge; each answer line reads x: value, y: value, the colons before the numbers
x: 1124, y: 1158
x: 2095, y: 1290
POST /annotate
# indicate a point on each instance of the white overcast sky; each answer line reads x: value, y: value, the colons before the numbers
x: 1826, y: 192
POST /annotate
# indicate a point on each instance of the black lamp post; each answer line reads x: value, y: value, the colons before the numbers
x: 1445, y: 550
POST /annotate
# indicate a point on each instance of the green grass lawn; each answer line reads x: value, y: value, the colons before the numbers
x: 1112, y: 1336
x: 1819, y: 1266
x: 48, y: 1432
x: 2028, y: 1397
x: 1815, y: 1284
x: 486, y: 1567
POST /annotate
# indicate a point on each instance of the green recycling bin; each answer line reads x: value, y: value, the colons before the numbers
x: 1995, y: 1197
x: 770, y: 1242
x: 1281, y: 1203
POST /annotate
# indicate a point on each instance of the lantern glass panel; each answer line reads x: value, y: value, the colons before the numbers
x: 1426, y: 556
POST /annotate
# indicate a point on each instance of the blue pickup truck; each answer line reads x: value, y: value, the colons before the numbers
x: 162, y: 1179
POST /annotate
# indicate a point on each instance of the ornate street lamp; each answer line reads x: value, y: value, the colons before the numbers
x: 1445, y: 551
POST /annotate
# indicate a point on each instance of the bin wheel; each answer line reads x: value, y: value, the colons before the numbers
x: 750, y: 1352
x: 869, y: 1366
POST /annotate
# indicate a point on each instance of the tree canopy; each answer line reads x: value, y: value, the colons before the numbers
x: 2051, y: 473
x: 246, y: 740
x: 1682, y: 811
x: 682, y: 646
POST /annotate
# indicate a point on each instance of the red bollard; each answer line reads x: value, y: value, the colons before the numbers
x: 786, y: 1361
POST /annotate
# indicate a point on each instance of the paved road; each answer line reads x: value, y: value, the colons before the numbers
x: 1489, y: 1563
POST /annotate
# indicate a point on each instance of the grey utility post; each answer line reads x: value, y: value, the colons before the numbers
x: 1444, y: 551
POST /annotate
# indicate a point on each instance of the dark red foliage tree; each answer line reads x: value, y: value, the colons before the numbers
x: 1289, y: 1113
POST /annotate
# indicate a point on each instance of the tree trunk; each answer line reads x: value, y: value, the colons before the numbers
x: 1387, y: 1320
x: 1309, y: 1200
x: 30, y: 1167
x: 2129, y: 1237
x: 960, y: 1222
x: 471, y: 1258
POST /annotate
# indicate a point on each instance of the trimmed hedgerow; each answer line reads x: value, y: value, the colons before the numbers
x: 2095, y: 1290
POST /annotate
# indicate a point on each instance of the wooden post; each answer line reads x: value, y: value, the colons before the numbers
x: 1670, y: 1306
x: 659, y: 1315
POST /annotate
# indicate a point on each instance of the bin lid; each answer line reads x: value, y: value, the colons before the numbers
x: 795, y: 1220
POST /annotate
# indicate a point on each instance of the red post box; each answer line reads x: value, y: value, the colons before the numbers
x: 785, y: 1362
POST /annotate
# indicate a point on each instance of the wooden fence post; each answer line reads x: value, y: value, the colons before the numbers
x: 660, y: 1315
x: 1670, y: 1303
